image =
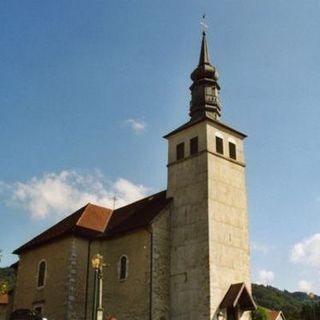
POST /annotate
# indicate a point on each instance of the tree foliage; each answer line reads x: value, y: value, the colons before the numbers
x: 7, y: 278
x: 259, y: 314
x: 291, y: 304
x: 310, y: 311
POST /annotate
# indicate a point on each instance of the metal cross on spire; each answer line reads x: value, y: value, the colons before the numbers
x: 203, y: 23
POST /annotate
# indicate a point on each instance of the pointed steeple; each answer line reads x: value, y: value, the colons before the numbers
x: 204, y: 54
x: 205, y: 87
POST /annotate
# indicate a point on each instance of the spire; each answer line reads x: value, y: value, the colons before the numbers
x: 205, y: 88
x: 204, y: 54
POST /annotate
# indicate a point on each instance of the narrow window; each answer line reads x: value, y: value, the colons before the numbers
x: 180, y: 151
x: 123, y: 268
x: 194, y: 145
x: 41, y: 274
x: 219, y: 145
x: 232, y: 150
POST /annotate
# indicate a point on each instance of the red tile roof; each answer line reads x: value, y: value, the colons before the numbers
x: 4, y: 299
x: 94, y: 218
x: 273, y: 314
x: 93, y: 221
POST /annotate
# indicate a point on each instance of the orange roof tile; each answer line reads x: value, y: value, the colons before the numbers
x: 94, y: 218
x: 4, y: 299
x: 273, y: 314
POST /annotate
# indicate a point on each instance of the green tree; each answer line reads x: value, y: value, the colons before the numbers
x: 3, y: 282
x: 310, y: 311
x: 259, y: 314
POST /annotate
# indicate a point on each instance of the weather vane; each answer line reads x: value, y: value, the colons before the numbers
x: 203, y: 23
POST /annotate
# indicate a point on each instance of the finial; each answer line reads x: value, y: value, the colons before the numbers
x: 203, y: 24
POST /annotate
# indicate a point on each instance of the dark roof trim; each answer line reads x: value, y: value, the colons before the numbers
x: 95, y: 222
x: 192, y: 123
x: 238, y: 295
x: 136, y: 215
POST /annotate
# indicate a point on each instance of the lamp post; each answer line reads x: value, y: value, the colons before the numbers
x: 220, y: 315
x: 97, y: 265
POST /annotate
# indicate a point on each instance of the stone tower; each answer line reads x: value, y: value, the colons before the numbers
x: 209, y: 266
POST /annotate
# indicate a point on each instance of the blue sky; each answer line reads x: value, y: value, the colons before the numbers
x: 88, y: 89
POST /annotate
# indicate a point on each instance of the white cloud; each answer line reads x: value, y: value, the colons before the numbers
x: 307, y: 251
x: 261, y: 248
x: 265, y: 277
x: 57, y: 194
x: 304, y: 286
x: 137, y: 126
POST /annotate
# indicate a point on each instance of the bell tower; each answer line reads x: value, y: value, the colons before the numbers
x: 209, y: 266
x: 205, y: 88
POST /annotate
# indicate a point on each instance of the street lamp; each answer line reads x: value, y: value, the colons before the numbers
x: 220, y: 316
x: 97, y: 265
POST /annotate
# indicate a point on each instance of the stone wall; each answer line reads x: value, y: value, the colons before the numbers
x: 209, y: 222
x: 62, y: 297
x: 187, y: 184
x: 68, y: 292
x: 161, y: 266
x: 126, y: 299
x: 228, y: 218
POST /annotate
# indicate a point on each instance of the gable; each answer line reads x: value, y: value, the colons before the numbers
x: 238, y: 295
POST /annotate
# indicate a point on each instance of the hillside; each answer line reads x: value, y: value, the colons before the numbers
x: 290, y: 303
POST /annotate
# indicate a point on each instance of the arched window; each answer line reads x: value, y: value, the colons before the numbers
x: 41, y: 279
x: 123, y: 268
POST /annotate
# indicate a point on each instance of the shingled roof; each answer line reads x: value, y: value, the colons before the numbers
x: 92, y: 221
x: 238, y: 295
x: 136, y: 215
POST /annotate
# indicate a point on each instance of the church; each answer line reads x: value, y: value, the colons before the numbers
x: 179, y: 254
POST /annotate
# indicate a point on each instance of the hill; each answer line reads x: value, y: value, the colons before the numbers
x: 290, y: 303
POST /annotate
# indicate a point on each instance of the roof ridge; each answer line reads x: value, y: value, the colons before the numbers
x: 140, y: 200
x: 97, y: 205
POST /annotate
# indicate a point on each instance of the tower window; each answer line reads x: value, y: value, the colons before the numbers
x: 41, y: 274
x: 219, y: 145
x: 194, y: 145
x: 232, y: 150
x: 123, y: 268
x: 180, y: 151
